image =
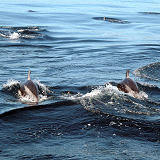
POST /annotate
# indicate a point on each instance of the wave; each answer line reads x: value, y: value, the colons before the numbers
x: 26, y: 45
x: 106, y: 100
x: 109, y: 100
x: 36, y: 107
x: 150, y: 71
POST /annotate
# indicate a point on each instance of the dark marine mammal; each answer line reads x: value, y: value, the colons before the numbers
x: 128, y: 85
x: 112, y: 20
x: 29, y: 88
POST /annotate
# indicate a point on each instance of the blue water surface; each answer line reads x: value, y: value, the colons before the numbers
x: 74, y: 48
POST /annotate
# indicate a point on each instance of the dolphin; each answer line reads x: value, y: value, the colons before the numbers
x: 128, y: 85
x: 29, y: 88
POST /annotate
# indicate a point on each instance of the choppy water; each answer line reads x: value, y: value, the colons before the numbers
x: 77, y: 52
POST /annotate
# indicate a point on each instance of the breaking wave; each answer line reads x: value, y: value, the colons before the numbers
x: 150, y: 71
x: 109, y: 100
x: 106, y: 100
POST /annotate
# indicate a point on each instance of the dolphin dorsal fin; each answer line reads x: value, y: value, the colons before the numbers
x: 127, y: 74
x: 29, y: 73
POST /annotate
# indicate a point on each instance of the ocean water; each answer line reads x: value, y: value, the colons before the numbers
x: 77, y: 52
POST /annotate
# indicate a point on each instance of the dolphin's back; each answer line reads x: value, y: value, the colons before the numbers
x: 32, y: 87
x: 29, y: 88
x: 131, y: 84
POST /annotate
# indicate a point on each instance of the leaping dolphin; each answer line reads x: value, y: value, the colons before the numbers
x: 128, y: 85
x: 29, y: 88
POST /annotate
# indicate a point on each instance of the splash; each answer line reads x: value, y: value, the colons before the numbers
x: 43, y: 88
x: 27, y: 99
x: 103, y: 94
x: 109, y: 100
x: 14, y: 35
x: 12, y: 87
x: 10, y: 83
x: 69, y: 96
x: 108, y: 89
x: 96, y: 93
x: 43, y: 91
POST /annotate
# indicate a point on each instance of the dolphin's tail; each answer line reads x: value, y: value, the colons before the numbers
x: 127, y: 74
x: 29, y: 73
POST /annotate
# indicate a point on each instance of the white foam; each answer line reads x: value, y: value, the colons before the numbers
x: 20, y: 30
x: 14, y: 35
x: 44, y: 87
x: 27, y: 99
x: 31, y: 99
x: 93, y: 93
x: 140, y: 95
x: 28, y: 36
x: 10, y: 83
x: 99, y: 91
x: 107, y: 90
x: 79, y: 96
x: 75, y: 97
